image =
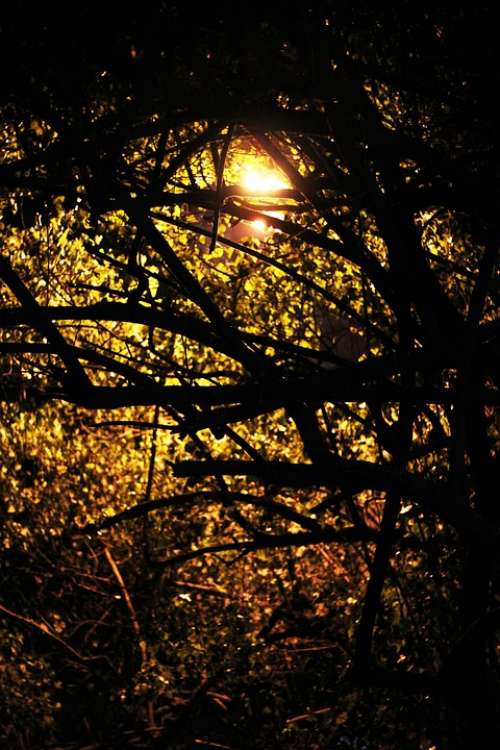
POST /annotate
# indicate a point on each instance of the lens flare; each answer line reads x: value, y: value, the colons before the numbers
x: 259, y: 225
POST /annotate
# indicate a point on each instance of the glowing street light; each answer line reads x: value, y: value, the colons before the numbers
x: 262, y: 182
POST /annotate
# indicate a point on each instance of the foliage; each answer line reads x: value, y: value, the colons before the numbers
x: 249, y: 346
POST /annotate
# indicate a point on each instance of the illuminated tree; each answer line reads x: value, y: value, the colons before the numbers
x: 272, y: 274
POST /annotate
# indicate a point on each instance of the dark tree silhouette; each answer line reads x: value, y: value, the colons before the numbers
x: 378, y: 323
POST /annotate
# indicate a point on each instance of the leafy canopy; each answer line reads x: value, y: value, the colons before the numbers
x: 249, y: 348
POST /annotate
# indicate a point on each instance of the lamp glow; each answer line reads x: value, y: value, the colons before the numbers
x: 261, y: 182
